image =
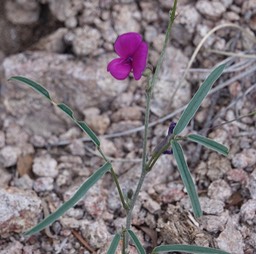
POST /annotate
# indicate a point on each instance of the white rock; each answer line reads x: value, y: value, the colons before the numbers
x: 219, y: 190
x: 92, y: 38
x: 19, y: 210
x: 127, y: 18
x: 96, y: 233
x: 23, y: 12
x: 211, y: 9
x: 85, y: 84
x: 45, y: 166
x: 9, y: 156
x: 43, y: 184
x: 248, y: 211
x: 230, y: 239
x: 212, y: 206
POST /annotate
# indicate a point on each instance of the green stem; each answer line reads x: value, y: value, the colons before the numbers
x: 125, y: 206
x: 151, y: 84
x: 166, y: 40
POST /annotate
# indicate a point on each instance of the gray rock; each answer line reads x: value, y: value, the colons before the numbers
x: 217, y: 166
x: 53, y: 42
x: 85, y: 85
x: 128, y: 113
x: 98, y: 123
x: 96, y: 233
x: 15, y: 135
x: 219, y: 190
x: 230, y: 239
x: 23, y: 12
x: 14, y: 247
x: 239, y: 161
x: 149, y: 13
x: 2, y: 139
x: 189, y: 18
x: 77, y: 147
x: 127, y: 18
x: 226, y: 3
x: 148, y: 203
x: 248, y: 211
x: 90, y: 13
x: 237, y: 175
x: 45, y: 166
x: 64, y: 177
x: 108, y: 147
x: 93, y: 41
x: 95, y: 200
x: 9, y: 156
x: 212, y: 10
x: 246, y: 158
x: 213, y: 223
x: 212, y: 206
x: 169, y: 77
x: 19, y: 210
x: 43, y: 184
x: 70, y: 223
x: 65, y: 9
x: 76, y: 213
x: 150, y: 33
x: 252, y: 184
x: 5, y: 178
x: 24, y: 182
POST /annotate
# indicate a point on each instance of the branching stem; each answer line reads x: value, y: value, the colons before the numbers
x: 149, y: 91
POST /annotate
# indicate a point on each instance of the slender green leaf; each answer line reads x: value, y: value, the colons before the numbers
x: 72, y: 201
x: 137, y: 243
x: 89, y: 132
x: 197, y: 99
x: 209, y: 143
x: 67, y: 110
x: 186, y: 178
x: 188, y: 248
x: 114, y: 244
x: 40, y: 89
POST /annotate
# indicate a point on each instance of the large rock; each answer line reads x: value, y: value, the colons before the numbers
x: 169, y: 77
x: 23, y: 12
x: 78, y: 84
x: 19, y: 210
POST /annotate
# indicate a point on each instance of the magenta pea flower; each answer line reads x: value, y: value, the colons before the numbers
x: 132, y: 52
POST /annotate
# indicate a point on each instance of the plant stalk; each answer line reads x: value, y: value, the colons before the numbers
x: 149, y: 91
x: 125, y: 205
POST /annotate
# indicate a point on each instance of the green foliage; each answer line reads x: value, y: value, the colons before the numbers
x: 137, y: 242
x: 41, y: 90
x: 114, y: 244
x: 186, y: 178
x: 197, y: 99
x: 188, y: 249
x: 209, y: 143
x: 72, y: 201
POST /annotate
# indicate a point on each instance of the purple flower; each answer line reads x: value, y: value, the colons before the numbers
x: 132, y: 52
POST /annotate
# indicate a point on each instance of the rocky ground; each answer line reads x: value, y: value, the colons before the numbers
x: 66, y: 45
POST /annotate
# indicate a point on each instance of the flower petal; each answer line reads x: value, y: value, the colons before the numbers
x: 119, y: 68
x: 140, y: 60
x: 126, y: 44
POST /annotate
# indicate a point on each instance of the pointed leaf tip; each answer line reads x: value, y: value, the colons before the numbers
x: 197, y: 99
x: 37, y: 87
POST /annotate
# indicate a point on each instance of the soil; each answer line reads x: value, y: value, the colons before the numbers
x: 65, y: 46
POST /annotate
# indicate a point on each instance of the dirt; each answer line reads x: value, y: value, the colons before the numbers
x: 44, y: 157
